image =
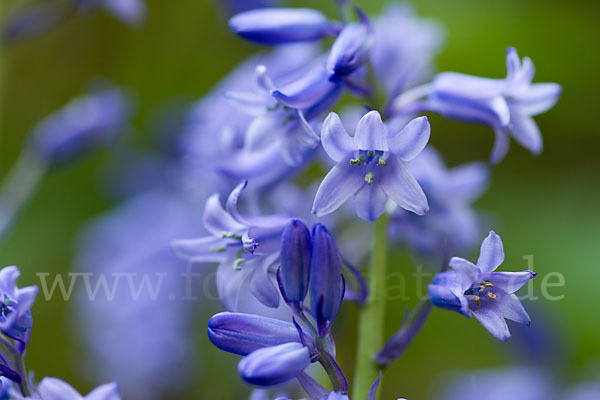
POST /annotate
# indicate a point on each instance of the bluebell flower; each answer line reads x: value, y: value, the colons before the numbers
x: 84, y: 123
x: 271, y: 366
x: 326, y: 281
x: 15, y: 304
x: 282, y: 25
x: 246, y: 249
x: 56, y: 389
x: 478, y: 290
x: 451, y: 225
x: 274, y: 124
x: 370, y: 166
x: 506, y: 105
x: 244, y: 333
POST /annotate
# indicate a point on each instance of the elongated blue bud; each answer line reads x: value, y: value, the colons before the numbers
x: 244, y: 333
x: 296, y: 253
x: 326, y: 282
x: 275, y: 365
x: 280, y: 25
x: 350, y: 50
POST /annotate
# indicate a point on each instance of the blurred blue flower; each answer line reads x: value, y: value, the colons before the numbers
x: 15, y: 304
x: 451, y: 225
x: 248, y: 246
x: 477, y: 290
x: 84, y: 123
x: 282, y: 25
x: 370, y: 166
x: 506, y: 105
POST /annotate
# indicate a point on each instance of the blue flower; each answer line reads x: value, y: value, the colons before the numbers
x: 15, y: 304
x: 370, y: 166
x: 271, y: 366
x: 282, y: 25
x: 296, y: 253
x: 56, y: 389
x: 451, y: 224
x: 477, y: 290
x: 506, y: 105
x: 84, y: 123
x: 244, y: 246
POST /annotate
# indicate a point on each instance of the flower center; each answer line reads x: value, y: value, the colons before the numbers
x: 6, y: 308
x: 476, y: 292
x: 369, y: 158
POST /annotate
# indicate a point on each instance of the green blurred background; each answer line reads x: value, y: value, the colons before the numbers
x: 546, y: 206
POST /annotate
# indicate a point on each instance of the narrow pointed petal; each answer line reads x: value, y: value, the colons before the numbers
x: 204, y: 249
x: 342, y: 182
x: 280, y: 25
x: 296, y: 254
x: 370, y: 202
x: 275, y: 365
x: 511, y: 308
x: 244, y: 333
x: 513, y: 63
x: 491, y: 254
x: 493, y: 321
x: 501, y: 144
x: 25, y: 298
x: 55, y: 389
x: 536, y: 98
x: 325, y: 276
x: 336, y: 141
x: 466, y: 272
x: 509, y: 282
x: 371, y: 133
x: 311, y: 386
x: 248, y: 103
x: 216, y: 220
x: 108, y: 391
x: 526, y: 132
x: 410, y: 141
x: 262, y: 286
x: 402, y: 188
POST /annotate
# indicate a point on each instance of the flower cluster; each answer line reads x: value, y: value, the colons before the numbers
x: 274, y: 136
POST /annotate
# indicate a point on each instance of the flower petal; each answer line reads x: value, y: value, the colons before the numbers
x: 526, y: 132
x: 275, y: 365
x: 262, y: 286
x: 204, y: 249
x: 402, y: 188
x: 511, y: 308
x: 370, y: 202
x: 306, y: 91
x: 411, y: 140
x: 491, y: 254
x: 56, y: 389
x: 466, y: 272
x: 536, y: 98
x: 441, y: 296
x: 108, y: 391
x: 336, y: 141
x: 370, y: 133
x: 217, y: 220
x: 501, y: 144
x: 343, y: 181
x: 509, y: 282
x: 492, y: 320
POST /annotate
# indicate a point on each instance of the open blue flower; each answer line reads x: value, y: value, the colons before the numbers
x: 370, y: 166
x: 245, y: 247
x: 15, y: 304
x: 478, y: 290
x: 506, y: 105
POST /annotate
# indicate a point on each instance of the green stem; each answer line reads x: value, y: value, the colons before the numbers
x: 372, y: 315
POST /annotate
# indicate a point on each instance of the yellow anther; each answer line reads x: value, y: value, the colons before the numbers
x: 487, y: 284
x: 491, y: 295
x: 477, y: 300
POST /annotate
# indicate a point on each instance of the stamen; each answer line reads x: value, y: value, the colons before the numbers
x: 358, y: 160
x: 237, y: 262
x: 371, y: 153
x: 382, y: 162
x: 286, y: 119
x: 478, y: 301
x: 487, y: 284
x: 275, y: 107
x: 491, y: 295
x: 218, y: 249
x: 369, y: 178
x: 229, y: 235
